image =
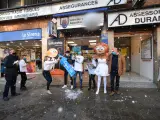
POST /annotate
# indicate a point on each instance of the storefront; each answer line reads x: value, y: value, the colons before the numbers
x: 24, y: 42
x: 136, y: 33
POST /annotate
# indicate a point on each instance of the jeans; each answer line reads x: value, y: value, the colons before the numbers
x: 112, y: 81
x: 48, y: 77
x: 92, y: 79
x: 80, y: 78
x: 66, y: 78
x: 23, y: 79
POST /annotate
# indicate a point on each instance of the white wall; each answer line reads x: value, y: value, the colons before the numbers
x: 135, y: 55
x: 144, y: 68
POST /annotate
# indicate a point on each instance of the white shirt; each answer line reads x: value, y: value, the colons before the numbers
x: 78, y: 65
x: 48, y: 65
x: 22, y: 66
x: 90, y: 67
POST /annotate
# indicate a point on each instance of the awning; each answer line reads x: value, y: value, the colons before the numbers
x: 80, y: 12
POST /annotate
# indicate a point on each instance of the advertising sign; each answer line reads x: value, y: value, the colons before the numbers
x: 58, y: 44
x: 135, y: 17
x: 75, y: 22
x: 34, y: 34
x: 57, y: 8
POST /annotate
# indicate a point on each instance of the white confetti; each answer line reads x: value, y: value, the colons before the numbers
x: 60, y: 109
x: 72, y: 95
x: 145, y: 96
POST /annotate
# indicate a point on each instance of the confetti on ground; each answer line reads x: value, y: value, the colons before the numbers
x: 72, y: 95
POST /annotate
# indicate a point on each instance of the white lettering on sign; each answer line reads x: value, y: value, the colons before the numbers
x: 75, y: 22
x: 30, y: 34
x: 137, y: 17
x: 57, y: 8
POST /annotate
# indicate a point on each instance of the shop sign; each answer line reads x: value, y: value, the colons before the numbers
x: 34, y: 34
x: 57, y: 8
x: 74, y: 22
x: 136, y: 17
x: 57, y: 44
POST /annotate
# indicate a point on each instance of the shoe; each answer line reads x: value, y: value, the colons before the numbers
x: 97, y: 92
x: 74, y: 88
x: 71, y: 86
x: 64, y: 86
x: 6, y: 99
x: 117, y: 92
x: 49, y: 92
x: 23, y: 88
x: 93, y: 88
x: 16, y: 94
x: 89, y: 89
x: 112, y: 93
x: 105, y: 91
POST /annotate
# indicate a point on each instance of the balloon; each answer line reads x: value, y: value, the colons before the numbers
x: 91, y: 21
x: 52, y: 52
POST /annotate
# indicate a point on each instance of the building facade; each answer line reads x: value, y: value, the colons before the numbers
x: 131, y: 25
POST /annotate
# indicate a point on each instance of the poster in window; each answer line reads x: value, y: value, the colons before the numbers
x: 146, y: 49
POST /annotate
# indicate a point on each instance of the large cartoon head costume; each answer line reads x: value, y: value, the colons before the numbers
x: 101, y: 49
x: 52, y: 52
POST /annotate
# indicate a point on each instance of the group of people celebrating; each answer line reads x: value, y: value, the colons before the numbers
x: 102, y: 64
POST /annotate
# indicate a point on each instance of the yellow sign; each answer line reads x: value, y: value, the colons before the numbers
x: 124, y: 51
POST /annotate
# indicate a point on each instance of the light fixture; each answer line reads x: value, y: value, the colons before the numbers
x: 70, y: 42
x: 11, y: 42
x: 92, y: 41
x: 26, y: 41
x: 73, y: 44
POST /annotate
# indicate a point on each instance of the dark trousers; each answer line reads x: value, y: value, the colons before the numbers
x: 92, y: 79
x: 48, y: 77
x: 66, y: 78
x: 10, y: 83
x: 23, y: 79
x: 113, y: 76
x: 80, y: 78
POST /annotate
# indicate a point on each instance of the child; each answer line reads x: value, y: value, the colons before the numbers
x: 48, y: 65
x: 91, y: 65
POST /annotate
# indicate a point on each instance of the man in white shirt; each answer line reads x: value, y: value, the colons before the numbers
x: 78, y: 67
x: 23, y: 70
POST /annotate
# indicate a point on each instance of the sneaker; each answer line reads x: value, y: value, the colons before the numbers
x: 97, y: 92
x: 6, y: 99
x: 64, y: 86
x: 49, y: 92
x: 71, y: 86
x: 112, y: 93
x: 117, y: 92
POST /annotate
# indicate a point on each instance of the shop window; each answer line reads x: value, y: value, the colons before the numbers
x: 49, y: 0
x: 14, y: 3
x: 41, y: 1
x: 30, y: 2
x: 3, y: 4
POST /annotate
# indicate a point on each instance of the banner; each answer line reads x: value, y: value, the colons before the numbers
x: 67, y: 66
x: 58, y: 44
x: 34, y: 34
x: 75, y: 22
x: 135, y: 17
x: 57, y: 8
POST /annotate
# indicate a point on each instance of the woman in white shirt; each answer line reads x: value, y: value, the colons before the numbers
x: 49, y: 64
x: 23, y: 70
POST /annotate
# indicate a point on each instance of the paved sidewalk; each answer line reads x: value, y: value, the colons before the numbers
x: 66, y: 104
